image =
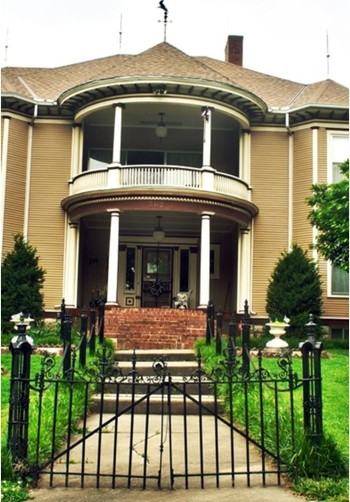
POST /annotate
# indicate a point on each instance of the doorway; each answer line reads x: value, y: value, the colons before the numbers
x: 157, y: 271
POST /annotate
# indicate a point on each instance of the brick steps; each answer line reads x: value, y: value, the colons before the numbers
x: 154, y: 328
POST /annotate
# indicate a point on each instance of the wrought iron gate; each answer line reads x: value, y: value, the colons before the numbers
x: 208, y: 428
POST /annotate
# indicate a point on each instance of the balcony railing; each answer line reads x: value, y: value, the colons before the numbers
x: 165, y: 176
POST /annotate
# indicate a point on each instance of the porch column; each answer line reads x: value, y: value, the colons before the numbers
x: 244, y: 161
x: 204, y: 291
x: 206, y: 114
x: 70, y: 286
x: 244, y: 269
x: 117, y: 134
x: 112, y: 283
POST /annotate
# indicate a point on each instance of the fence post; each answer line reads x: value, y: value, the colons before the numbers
x: 312, y: 387
x: 83, y: 330
x: 232, y: 330
x: 67, y: 343
x: 60, y: 317
x: 101, y: 319
x: 246, y: 340
x: 210, y: 322
x: 219, y: 331
x: 92, y: 340
x: 21, y: 348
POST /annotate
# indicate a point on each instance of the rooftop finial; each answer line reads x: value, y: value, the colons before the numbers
x: 163, y: 7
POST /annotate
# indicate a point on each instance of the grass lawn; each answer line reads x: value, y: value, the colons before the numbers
x: 335, y: 391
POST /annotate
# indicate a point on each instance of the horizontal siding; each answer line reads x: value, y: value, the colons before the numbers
x: 15, y: 182
x: 49, y: 185
x: 269, y: 179
x: 302, y: 181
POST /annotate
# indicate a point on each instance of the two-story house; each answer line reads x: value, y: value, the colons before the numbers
x: 145, y: 175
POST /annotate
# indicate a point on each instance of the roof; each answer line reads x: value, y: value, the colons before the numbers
x: 166, y: 61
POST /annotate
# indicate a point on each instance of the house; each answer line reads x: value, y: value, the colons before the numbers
x: 152, y: 174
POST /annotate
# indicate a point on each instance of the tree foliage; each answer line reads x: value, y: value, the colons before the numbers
x: 330, y: 215
x: 295, y: 291
x: 22, y: 282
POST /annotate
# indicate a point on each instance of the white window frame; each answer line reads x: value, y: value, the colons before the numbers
x: 330, y: 159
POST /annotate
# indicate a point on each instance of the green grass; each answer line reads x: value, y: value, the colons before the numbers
x: 319, y: 473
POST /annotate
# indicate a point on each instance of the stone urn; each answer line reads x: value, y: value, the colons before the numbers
x: 277, y: 329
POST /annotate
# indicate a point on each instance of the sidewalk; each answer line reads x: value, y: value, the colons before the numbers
x: 255, y: 493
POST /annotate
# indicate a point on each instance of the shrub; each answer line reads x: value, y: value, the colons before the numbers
x: 22, y: 282
x: 295, y: 291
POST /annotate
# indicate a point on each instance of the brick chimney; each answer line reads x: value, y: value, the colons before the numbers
x: 234, y: 50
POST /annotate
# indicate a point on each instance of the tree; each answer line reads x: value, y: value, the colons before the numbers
x: 22, y: 282
x: 295, y: 291
x: 330, y: 215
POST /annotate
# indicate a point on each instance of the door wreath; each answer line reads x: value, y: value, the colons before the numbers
x: 157, y: 288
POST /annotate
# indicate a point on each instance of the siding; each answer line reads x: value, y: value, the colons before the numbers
x: 269, y: 179
x: 15, y: 182
x: 50, y: 173
x: 302, y: 181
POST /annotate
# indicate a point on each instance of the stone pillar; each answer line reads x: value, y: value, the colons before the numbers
x: 204, y: 292
x: 244, y: 269
x: 70, y: 287
x: 112, y: 283
x: 117, y: 134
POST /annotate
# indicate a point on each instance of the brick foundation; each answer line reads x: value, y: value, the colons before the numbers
x: 152, y: 328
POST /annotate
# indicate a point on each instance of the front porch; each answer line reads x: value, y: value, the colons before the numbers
x: 154, y: 328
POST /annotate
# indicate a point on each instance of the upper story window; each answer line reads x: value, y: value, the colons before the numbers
x: 338, y: 148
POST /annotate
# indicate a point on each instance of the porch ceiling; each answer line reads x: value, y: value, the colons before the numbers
x: 142, y: 224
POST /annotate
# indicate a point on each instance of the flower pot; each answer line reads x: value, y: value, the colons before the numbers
x: 277, y: 329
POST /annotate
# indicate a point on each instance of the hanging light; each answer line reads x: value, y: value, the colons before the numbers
x: 161, y: 130
x: 158, y: 233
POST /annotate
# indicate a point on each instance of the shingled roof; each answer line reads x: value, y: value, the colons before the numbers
x: 166, y: 61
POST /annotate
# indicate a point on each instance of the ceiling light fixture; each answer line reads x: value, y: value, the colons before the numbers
x: 161, y: 129
x: 158, y: 233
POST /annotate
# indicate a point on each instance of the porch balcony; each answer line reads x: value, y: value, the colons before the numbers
x: 174, y: 178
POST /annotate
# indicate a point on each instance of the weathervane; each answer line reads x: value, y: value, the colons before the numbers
x: 162, y: 6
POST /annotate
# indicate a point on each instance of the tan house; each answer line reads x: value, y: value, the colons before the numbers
x: 151, y: 174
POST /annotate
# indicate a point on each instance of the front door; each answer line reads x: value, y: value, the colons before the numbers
x: 157, y: 267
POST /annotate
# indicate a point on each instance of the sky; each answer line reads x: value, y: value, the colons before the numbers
x: 285, y: 38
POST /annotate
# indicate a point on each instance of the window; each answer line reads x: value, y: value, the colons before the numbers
x: 130, y: 269
x: 99, y: 158
x: 340, y: 333
x: 338, y: 152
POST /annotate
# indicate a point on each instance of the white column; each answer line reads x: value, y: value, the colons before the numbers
x: 245, y: 156
x: 204, y: 291
x: 290, y: 189
x: 4, y: 154
x: 206, y: 114
x: 76, y: 166
x: 28, y: 180
x: 113, y: 259
x: 70, y: 286
x: 244, y: 269
x: 117, y: 133
x: 314, y: 181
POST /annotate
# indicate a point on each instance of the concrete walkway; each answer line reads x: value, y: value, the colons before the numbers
x: 255, y: 493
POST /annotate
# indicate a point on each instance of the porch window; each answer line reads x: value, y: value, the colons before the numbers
x: 184, y: 269
x: 130, y: 269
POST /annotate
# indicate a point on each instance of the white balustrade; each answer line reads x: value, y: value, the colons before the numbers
x: 164, y: 176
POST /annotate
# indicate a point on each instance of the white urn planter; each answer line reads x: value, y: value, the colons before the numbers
x: 277, y: 329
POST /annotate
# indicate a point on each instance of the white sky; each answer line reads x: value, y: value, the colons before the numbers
x: 285, y: 38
